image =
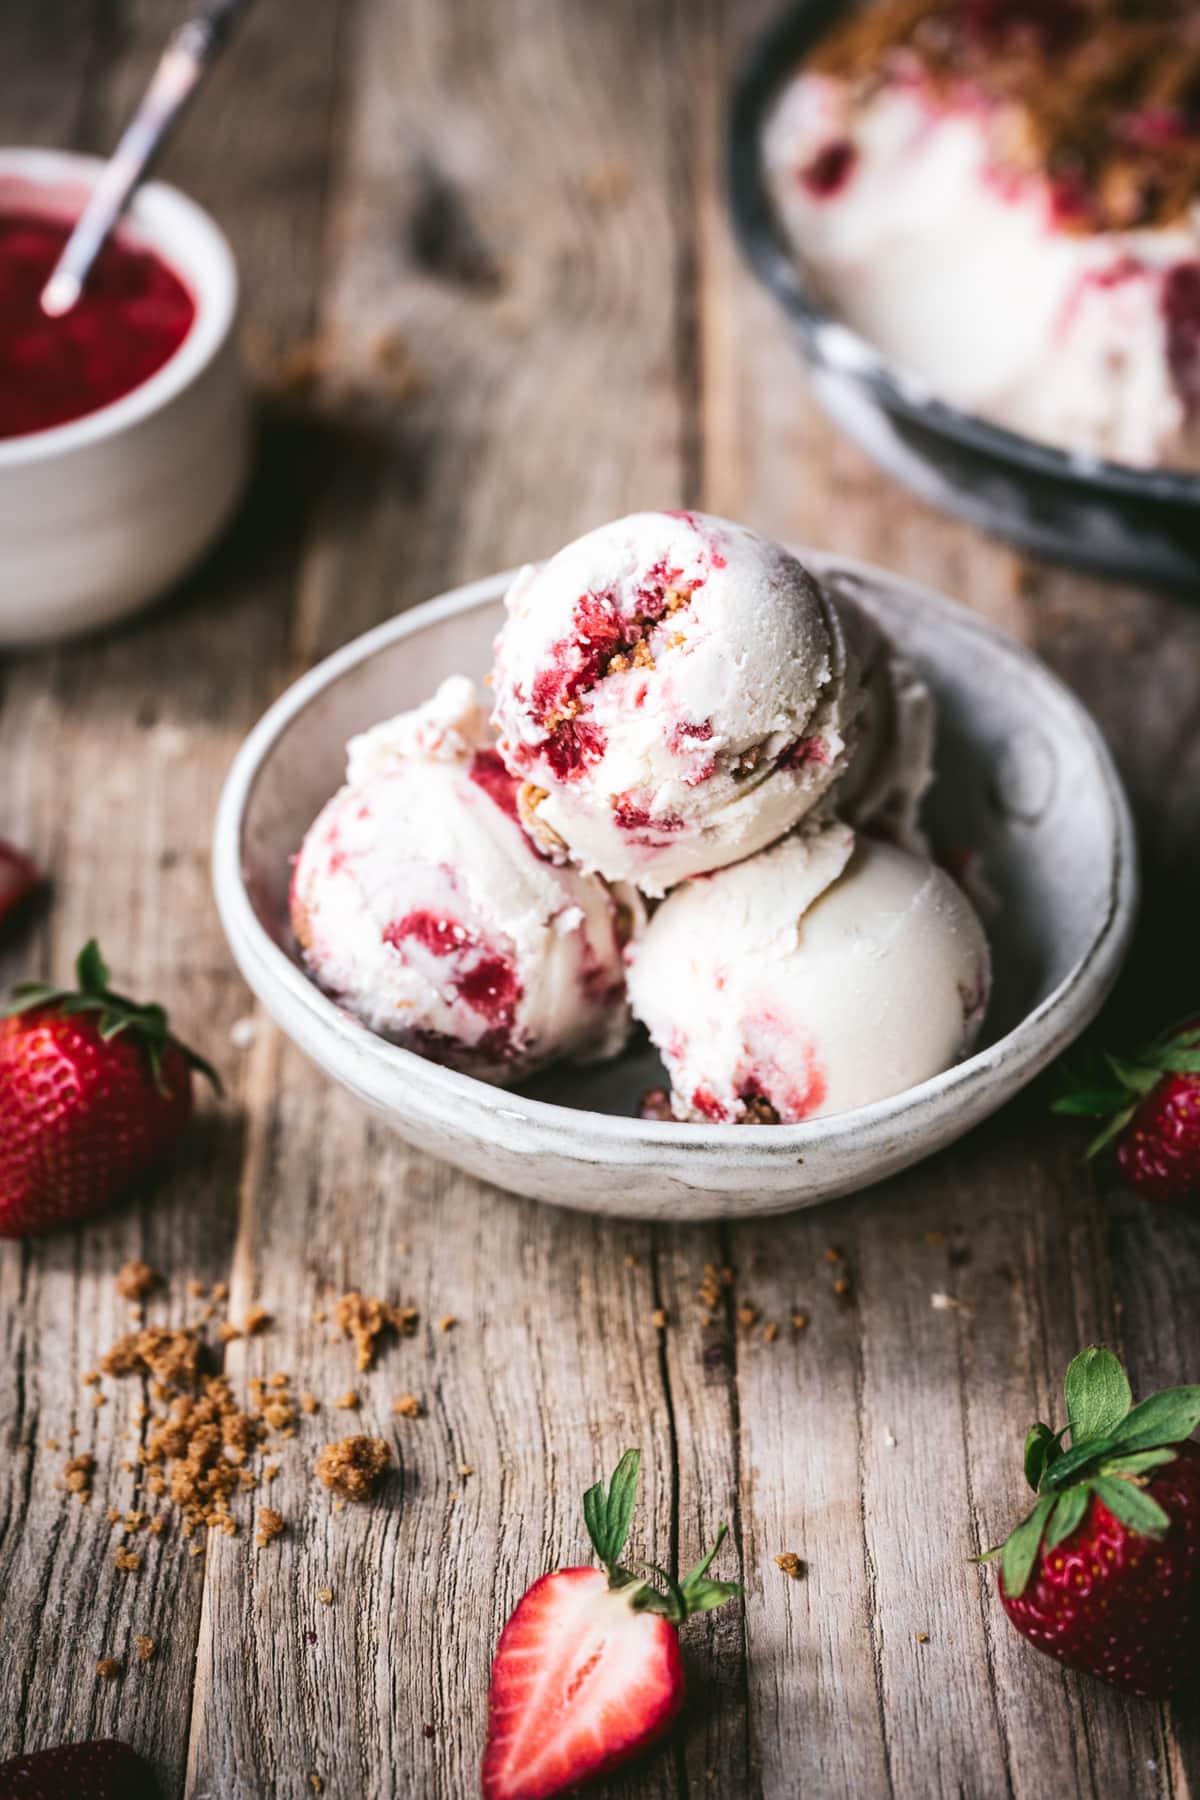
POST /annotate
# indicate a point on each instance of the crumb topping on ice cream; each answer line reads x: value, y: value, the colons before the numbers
x: 671, y: 690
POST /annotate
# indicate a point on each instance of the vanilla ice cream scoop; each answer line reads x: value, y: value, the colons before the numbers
x: 422, y: 906
x: 672, y: 692
x: 817, y: 976
x: 891, y: 759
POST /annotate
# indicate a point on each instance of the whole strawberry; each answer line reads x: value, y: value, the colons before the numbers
x: 1104, y: 1574
x: 587, y: 1672
x: 94, y: 1093
x: 1152, y: 1108
x: 102, y: 1769
x: 18, y: 878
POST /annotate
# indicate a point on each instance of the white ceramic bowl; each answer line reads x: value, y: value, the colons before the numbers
x: 99, y: 515
x: 1023, y: 778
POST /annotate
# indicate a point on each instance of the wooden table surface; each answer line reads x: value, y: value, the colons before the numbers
x: 517, y: 204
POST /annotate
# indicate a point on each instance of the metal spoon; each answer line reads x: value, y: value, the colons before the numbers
x: 190, y: 52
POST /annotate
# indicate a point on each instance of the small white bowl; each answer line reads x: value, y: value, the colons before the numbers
x: 101, y: 514
x: 1023, y: 778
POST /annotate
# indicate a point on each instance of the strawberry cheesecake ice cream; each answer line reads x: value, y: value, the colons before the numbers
x: 423, y: 907
x: 820, y: 975
x: 1001, y: 197
x: 672, y: 692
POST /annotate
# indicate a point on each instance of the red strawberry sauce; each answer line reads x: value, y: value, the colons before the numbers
x: 133, y: 316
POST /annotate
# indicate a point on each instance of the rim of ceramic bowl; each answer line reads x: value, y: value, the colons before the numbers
x: 1041, y: 1035
x: 836, y: 346
x: 193, y: 246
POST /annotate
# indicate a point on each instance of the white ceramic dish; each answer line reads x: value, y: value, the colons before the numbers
x: 99, y: 515
x: 1023, y: 778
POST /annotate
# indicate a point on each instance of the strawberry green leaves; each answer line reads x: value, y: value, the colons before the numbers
x: 608, y: 1515
x: 1110, y: 1087
x: 1115, y: 1449
x: 115, y: 1012
x: 1097, y: 1394
x: 1021, y: 1548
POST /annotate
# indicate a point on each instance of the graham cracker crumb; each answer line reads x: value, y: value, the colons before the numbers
x: 220, y: 1290
x: 353, y: 1467
x: 833, y: 1254
x: 228, y: 1331
x: 256, y: 1320
x: 465, y: 1469
x: 407, y: 1406
x: 53, y: 1444
x: 447, y: 1322
x: 842, y: 1287
x: 145, y: 1647
x: 108, y: 1668
x: 128, y: 1560
x: 347, y: 1402
x: 309, y: 1403
x: 748, y: 1314
x: 113, y: 1515
x: 799, y: 1321
x: 922, y: 1637
x: 137, y: 1279
x: 172, y: 1357
x: 791, y: 1564
x: 99, y: 1399
x: 196, y: 1550
x: 270, y: 1471
x: 196, y: 1289
x: 366, y: 1320
x: 325, y: 1596
x: 270, y: 1525
x: 315, y: 1783
x: 770, y: 1331
x: 658, y: 1318
x: 89, y: 1378
x: 78, y: 1475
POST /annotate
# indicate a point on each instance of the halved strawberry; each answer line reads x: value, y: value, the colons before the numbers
x: 587, y: 1672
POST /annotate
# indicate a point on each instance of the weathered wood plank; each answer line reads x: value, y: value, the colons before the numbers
x: 117, y: 750
x: 531, y: 282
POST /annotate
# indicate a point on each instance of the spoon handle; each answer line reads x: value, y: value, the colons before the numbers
x: 190, y: 52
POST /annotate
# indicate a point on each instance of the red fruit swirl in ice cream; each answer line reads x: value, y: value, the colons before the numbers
x: 134, y: 314
x: 483, y: 978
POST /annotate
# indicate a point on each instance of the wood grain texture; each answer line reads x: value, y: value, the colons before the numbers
x: 522, y: 200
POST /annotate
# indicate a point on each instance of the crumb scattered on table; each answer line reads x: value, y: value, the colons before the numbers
x: 78, y: 1475
x: 325, y: 1596
x: 146, y: 1648
x: 347, y: 1402
x: 367, y: 1320
x: 447, y: 1322
x: 353, y: 1467
x: 137, y: 1279
x: 407, y: 1406
x: 791, y: 1564
x: 108, y: 1668
x: 659, y: 1318
x: 270, y: 1525
x: 256, y: 1320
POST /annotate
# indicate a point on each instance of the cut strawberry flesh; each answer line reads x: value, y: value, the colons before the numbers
x: 580, y: 1683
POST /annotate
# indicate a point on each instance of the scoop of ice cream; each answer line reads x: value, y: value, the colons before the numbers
x: 423, y: 907
x: 671, y: 690
x: 820, y: 975
x: 891, y: 759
